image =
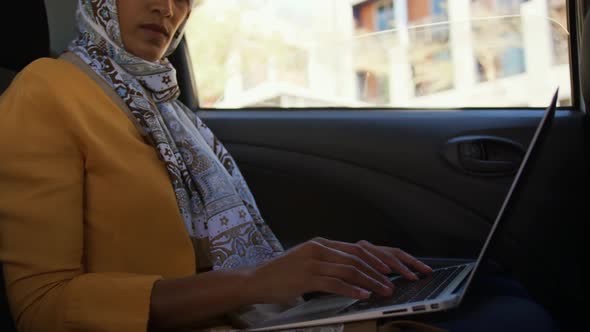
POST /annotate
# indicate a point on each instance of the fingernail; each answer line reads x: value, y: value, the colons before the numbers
x: 387, y: 290
x: 363, y: 294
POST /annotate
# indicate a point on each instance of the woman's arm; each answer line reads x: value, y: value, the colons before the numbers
x: 195, y: 300
x: 320, y: 265
x: 42, y: 228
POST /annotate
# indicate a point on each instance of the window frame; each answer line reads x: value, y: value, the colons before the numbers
x: 576, y: 11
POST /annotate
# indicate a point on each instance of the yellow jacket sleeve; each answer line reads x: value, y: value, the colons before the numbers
x: 42, y: 222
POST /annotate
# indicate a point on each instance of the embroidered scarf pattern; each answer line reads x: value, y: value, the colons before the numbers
x: 216, y: 205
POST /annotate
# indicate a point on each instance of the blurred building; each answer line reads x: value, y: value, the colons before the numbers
x: 408, y: 53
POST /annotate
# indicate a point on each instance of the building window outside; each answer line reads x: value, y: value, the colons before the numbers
x: 429, y: 48
x: 439, y: 8
x: 384, y: 19
x: 512, y: 61
x: 498, y: 39
x: 432, y: 72
x: 508, y: 6
x: 372, y: 88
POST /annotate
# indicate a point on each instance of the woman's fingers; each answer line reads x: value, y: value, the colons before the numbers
x: 390, y: 259
x: 359, y: 251
x: 351, y: 270
x: 331, y: 255
x: 397, y: 259
x: 410, y: 260
x: 360, y: 266
x: 353, y: 276
x: 339, y: 287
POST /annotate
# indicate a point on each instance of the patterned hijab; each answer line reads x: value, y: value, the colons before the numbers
x: 217, y: 207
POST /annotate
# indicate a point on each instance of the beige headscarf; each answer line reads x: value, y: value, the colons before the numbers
x: 218, y: 209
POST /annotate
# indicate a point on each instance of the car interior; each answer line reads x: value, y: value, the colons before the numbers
x: 387, y: 175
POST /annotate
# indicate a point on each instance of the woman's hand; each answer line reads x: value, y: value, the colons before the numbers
x: 321, y: 265
x: 390, y: 259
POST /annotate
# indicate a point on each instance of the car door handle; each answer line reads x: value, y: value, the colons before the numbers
x: 484, y: 155
x: 489, y: 166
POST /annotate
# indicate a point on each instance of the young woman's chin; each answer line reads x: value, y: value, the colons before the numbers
x: 150, y: 51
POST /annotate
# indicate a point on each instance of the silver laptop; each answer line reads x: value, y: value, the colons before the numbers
x: 444, y: 289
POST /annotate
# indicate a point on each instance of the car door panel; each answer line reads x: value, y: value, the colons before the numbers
x: 331, y: 198
x: 311, y: 169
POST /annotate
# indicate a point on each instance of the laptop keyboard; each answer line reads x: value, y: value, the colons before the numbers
x: 426, y: 288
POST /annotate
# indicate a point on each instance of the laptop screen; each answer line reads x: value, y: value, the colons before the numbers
x: 517, y: 184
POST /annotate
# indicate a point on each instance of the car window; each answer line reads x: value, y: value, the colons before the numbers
x: 379, y: 53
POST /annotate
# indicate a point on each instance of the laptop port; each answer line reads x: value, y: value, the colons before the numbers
x: 419, y: 308
x: 394, y: 311
x: 434, y: 306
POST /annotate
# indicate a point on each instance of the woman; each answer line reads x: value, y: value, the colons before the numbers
x: 122, y: 211
x: 114, y: 206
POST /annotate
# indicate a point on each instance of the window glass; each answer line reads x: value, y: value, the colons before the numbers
x: 379, y: 53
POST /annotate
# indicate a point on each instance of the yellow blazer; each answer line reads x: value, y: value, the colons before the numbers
x: 88, y: 216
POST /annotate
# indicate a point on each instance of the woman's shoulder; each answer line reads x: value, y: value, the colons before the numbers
x: 49, y: 81
x: 45, y: 66
x: 51, y: 73
x: 51, y: 86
